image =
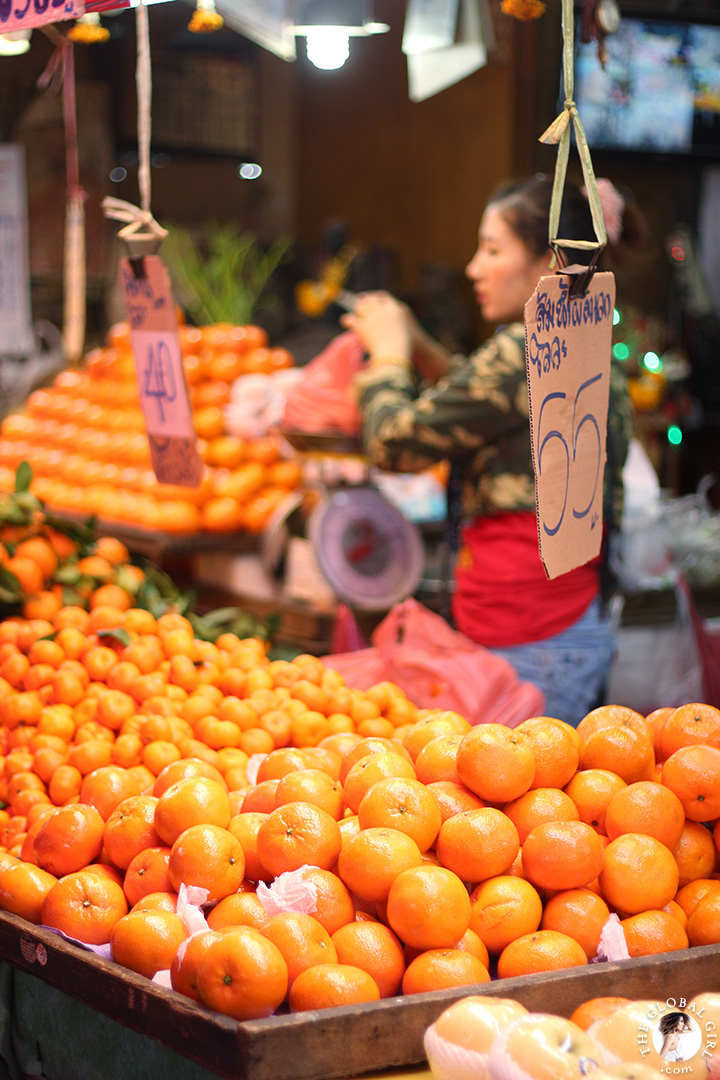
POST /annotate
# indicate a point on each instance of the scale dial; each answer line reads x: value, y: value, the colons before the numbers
x: 371, y: 555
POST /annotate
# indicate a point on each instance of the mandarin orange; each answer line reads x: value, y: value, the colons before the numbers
x: 242, y: 975
x: 504, y: 908
x: 478, y: 844
x: 496, y: 762
x: 428, y: 907
x: 147, y: 941
x: 374, y: 948
x: 85, y: 906
x: 442, y: 969
x: 208, y: 857
x: 638, y: 874
x: 371, y: 859
x: 328, y: 985
x: 543, y: 950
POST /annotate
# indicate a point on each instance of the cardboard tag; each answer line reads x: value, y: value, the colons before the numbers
x: 163, y: 391
x: 567, y: 351
x: 26, y: 14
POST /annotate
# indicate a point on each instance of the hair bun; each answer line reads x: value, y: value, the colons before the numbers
x: 612, y: 205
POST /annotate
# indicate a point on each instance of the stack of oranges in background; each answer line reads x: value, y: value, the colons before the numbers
x: 85, y: 438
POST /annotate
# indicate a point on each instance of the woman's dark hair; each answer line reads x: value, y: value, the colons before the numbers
x: 525, y: 206
x: 670, y: 1022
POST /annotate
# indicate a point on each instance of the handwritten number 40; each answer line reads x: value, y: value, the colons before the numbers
x: 577, y: 426
x: 159, y: 377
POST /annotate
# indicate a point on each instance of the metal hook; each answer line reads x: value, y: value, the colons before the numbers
x: 582, y: 275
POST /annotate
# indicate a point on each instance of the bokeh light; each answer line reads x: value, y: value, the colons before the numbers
x: 249, y: 170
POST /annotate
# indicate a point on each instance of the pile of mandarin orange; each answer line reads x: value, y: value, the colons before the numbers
x: 424, y: 852
x: 41, y: 558
x: 84, y: 437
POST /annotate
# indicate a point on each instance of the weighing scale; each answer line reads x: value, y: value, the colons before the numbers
x: 371, y: 556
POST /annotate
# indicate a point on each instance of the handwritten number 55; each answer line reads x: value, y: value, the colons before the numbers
x: 588, y: 418
x: 554, y: 433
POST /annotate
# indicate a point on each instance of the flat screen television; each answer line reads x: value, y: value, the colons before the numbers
x: 659, y: 91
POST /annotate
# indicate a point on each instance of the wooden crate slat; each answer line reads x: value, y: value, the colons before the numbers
x: 327, y: 1043
x: 136, y: 1002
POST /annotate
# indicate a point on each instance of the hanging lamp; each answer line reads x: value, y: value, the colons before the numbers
x: 15, y: 43
x: 328, y: 25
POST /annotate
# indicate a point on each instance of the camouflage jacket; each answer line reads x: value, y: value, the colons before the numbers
x: 479, y: 413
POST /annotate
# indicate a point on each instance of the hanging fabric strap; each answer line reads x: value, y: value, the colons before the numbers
x: 141, y: 225
x: 559, y: 132
x: 143, y: 83
x: 60, y: 71
x: 137, y: 219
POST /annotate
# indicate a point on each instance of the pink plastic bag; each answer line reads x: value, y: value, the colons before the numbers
x: 324, y: 399
x: 360, y: 668
x: 440, y: 668
x: 346, y: 633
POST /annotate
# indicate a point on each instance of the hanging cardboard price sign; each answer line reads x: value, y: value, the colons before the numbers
x: 567, y: 350
x: 28, y: 14
x: 163, y: 391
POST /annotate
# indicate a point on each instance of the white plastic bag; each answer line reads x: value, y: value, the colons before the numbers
x: 656, y: 666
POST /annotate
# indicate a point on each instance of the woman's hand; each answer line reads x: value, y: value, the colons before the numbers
x: 383, y: 324
x: 389, y: 331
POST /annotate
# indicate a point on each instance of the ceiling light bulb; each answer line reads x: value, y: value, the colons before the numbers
x: 328, y: 47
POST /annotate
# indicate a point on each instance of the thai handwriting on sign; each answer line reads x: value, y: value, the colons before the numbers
x: 577, y: 426
x: 560, y: 313
x: 546, y: 356
x: 18, y: 14
x: 140, y: 299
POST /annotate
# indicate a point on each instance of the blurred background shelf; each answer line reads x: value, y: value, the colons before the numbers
x: 157, y: 545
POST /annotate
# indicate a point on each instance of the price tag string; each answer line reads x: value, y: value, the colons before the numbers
x: 559, y: 133
x: 142, y: 231
x: 60, y: 70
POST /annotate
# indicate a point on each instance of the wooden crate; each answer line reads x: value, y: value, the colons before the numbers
x: 328, y: 1043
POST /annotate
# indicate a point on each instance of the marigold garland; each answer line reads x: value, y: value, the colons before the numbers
x: 205, y: 19
x: 88, y: 29
x: 523, y: 9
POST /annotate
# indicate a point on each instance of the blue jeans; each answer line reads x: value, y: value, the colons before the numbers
x: 570, y: 668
